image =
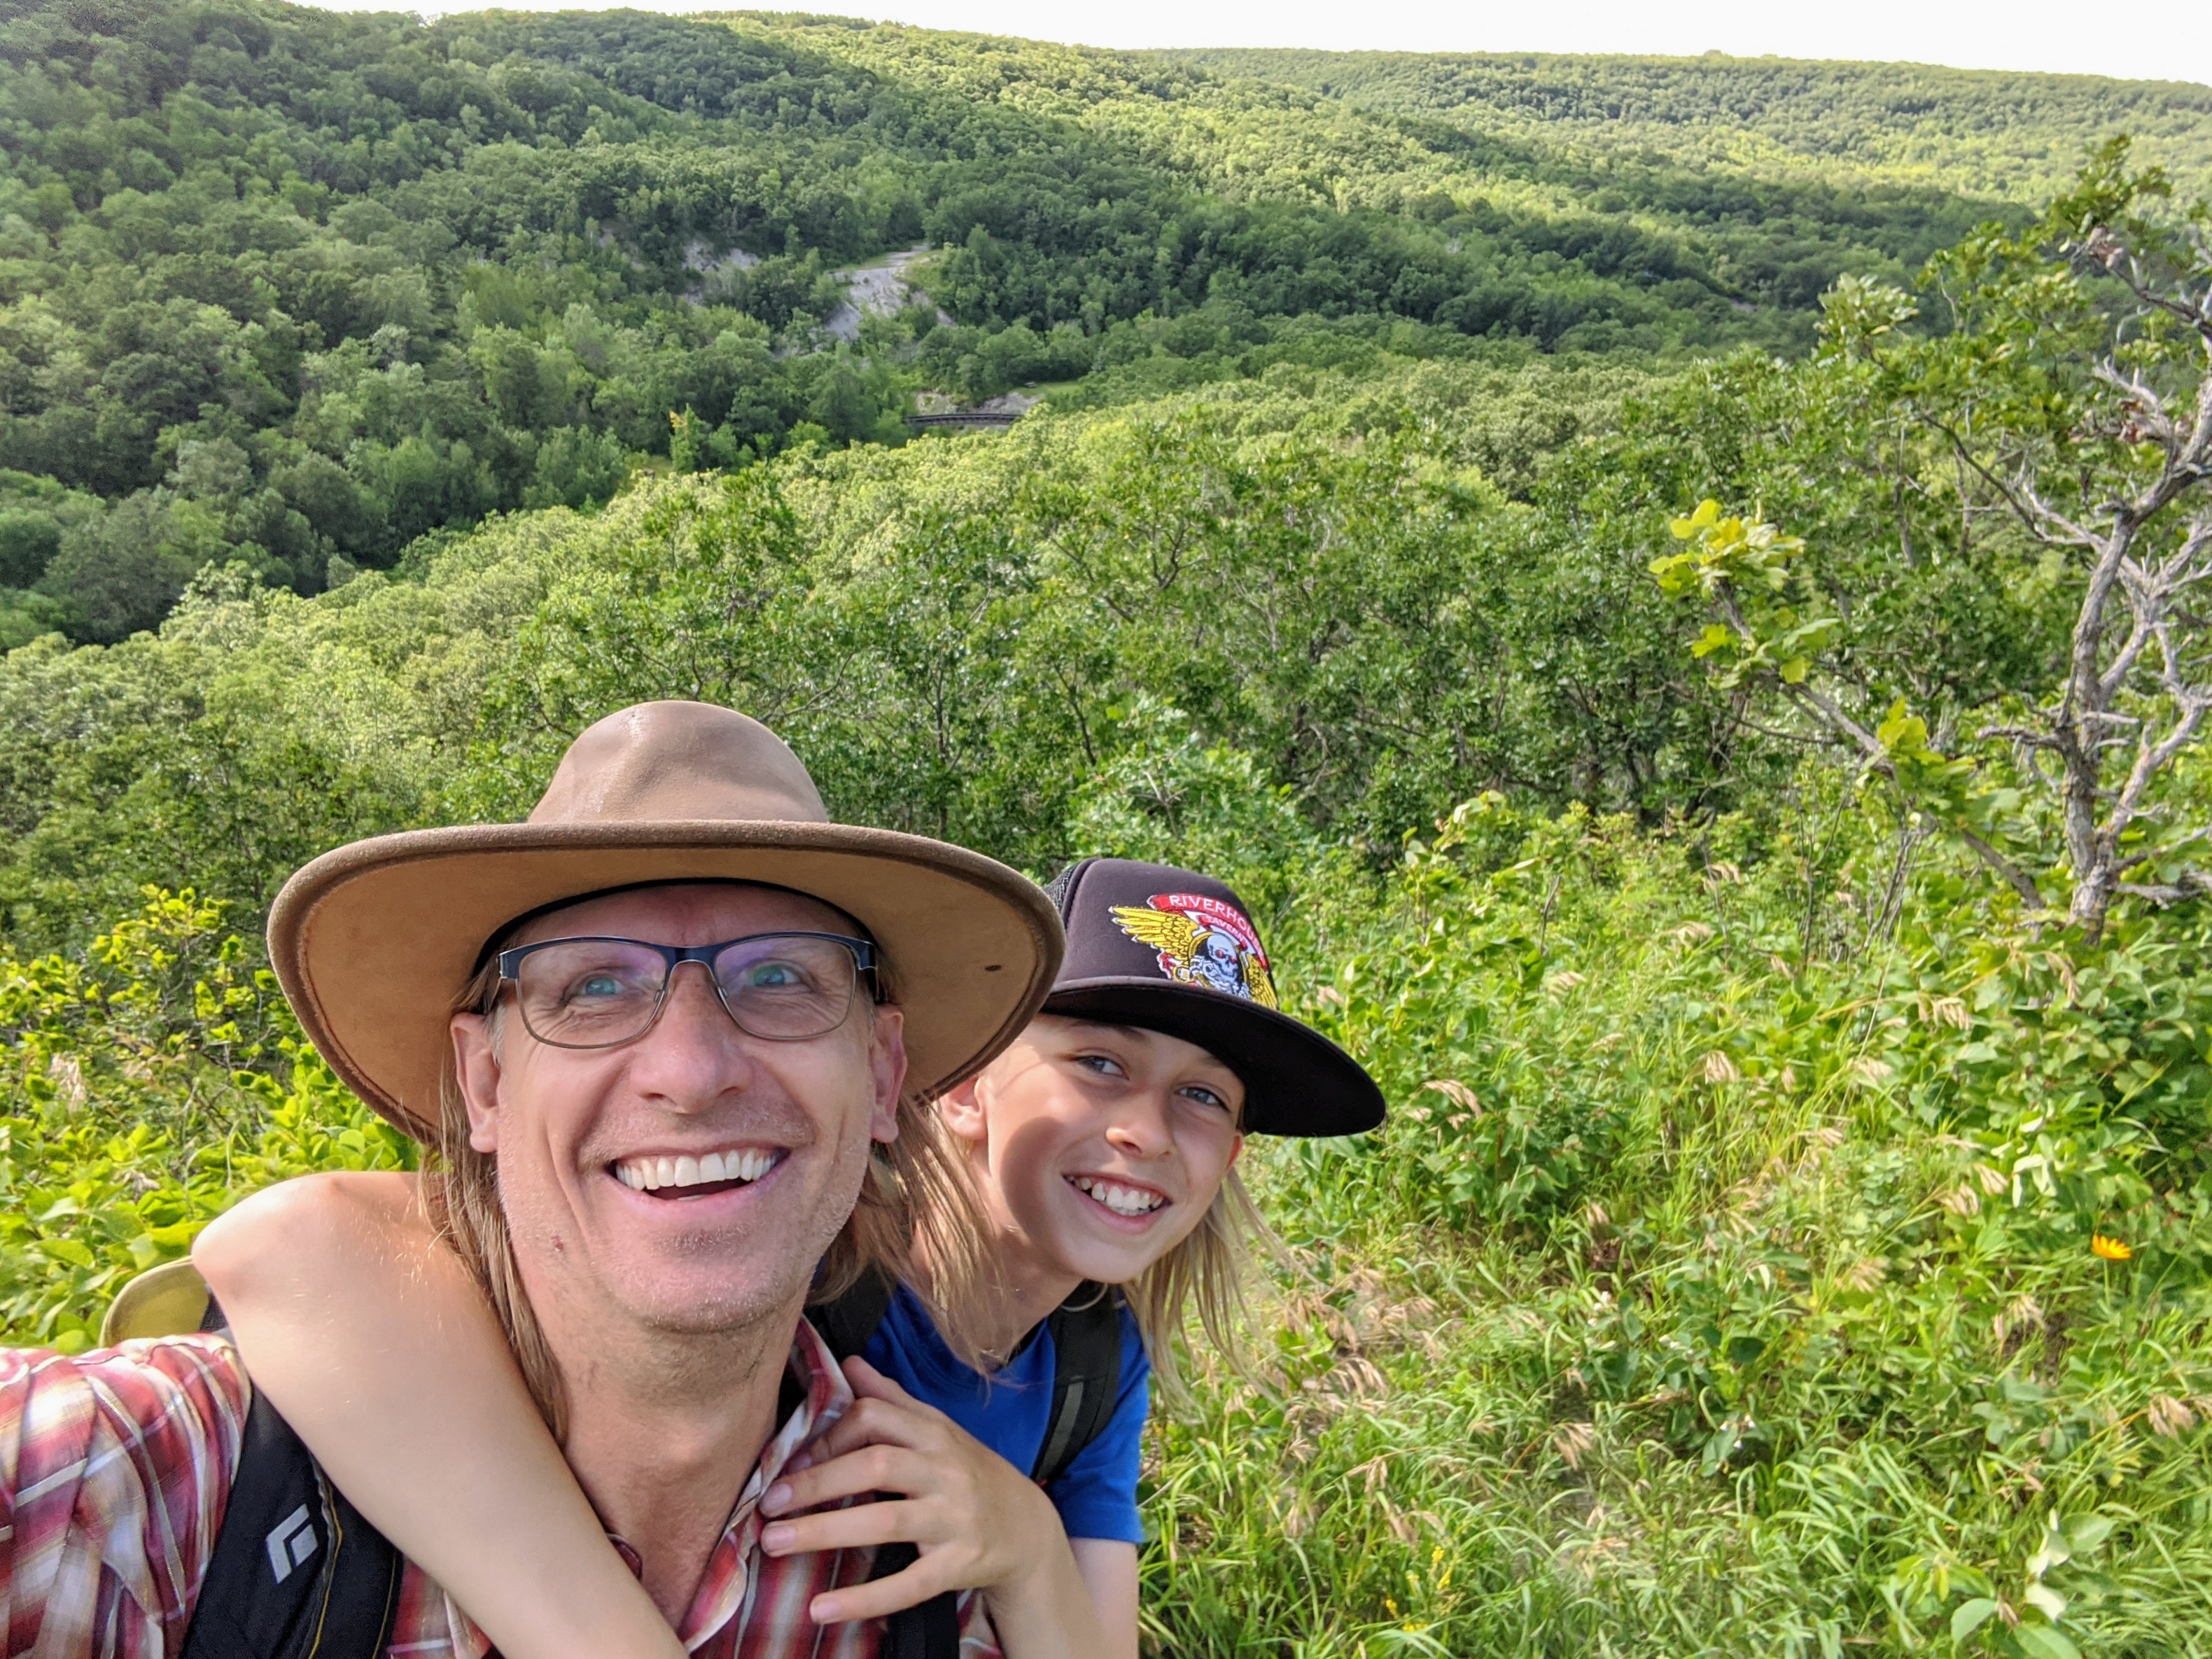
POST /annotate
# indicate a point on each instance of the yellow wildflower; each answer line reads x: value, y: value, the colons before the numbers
x: 2111, y: 1248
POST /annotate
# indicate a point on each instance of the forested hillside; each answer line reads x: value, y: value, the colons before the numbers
x: 1983, y: 132
x: 1698, y: 660
x: 292, y: 288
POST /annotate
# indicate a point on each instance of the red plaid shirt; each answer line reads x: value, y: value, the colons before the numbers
x: 115, y: 1468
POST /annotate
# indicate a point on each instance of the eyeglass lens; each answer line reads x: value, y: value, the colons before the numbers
x: 594, y: 993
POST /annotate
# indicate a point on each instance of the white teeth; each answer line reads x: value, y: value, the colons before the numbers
x: 1123, y: 1200
x: 649, y: 1174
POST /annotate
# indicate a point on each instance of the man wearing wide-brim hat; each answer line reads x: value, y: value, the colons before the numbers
x: 522, y: 998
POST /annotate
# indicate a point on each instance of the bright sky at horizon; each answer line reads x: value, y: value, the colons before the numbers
x: 2171, y: 42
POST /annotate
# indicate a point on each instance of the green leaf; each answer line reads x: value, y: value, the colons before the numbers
x: 1793, y: 673
x: 2086, y: 1532
x: 2042, y: 1642
x: 2056, y: 1552
x: 1902, y: 732
x: 1707, y: 515
x: 1971, y: 1616
x: 2046, y: 1601
x: 1717, y: 1448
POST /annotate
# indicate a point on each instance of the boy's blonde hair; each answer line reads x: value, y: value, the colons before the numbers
x: 1206, y: 1269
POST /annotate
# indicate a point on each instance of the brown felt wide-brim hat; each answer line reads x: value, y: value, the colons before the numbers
x: 375, y: 942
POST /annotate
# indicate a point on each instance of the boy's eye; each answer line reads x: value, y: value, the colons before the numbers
x: 1104, y: 1065
x: 1205, y: 1097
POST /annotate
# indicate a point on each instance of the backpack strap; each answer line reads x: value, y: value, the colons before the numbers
x: 848, y: 1323
x: 930, y: 1631
x: 1086, y: 1376
x: 296, y: 1572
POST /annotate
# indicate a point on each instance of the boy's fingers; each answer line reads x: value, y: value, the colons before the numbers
x: 871, y: 1468
x: 860, y: 1526
x: 869, y: 1383
x: 879, y: 1598
x: 871, y: 1423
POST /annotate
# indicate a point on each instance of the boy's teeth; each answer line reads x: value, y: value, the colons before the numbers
x: 1123, y: 1200
x: 649, y: 1174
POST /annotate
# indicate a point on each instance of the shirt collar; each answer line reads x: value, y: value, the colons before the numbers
x: 721, y: 1593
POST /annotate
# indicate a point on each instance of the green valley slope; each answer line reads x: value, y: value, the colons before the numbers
x: 1990, y: 133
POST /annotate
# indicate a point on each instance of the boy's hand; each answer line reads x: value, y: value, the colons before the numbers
x: 978, y: 1523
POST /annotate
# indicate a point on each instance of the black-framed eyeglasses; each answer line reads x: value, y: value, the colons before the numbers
x: 599, y: 993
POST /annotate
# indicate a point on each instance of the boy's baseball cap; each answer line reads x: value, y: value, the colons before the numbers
x: 1172, y: 950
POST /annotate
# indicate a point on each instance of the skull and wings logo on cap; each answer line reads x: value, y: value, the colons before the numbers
x: 1203, y: 942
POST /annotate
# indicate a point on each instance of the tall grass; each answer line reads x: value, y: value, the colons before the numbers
x: 1726, y: 1280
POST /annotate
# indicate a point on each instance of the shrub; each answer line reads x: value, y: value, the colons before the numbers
x: 151, y: 1083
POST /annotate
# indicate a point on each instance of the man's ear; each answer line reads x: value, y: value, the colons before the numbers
x: 887, y: 1073
x: 962, y: 1112
x: 476, y: 1065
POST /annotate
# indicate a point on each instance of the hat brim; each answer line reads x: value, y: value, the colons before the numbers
x: 1297, y: 1082
x: 374, y: 941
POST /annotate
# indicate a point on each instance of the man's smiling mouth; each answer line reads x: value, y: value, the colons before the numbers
x: 687, y: 1175
x: 1119, y: 1196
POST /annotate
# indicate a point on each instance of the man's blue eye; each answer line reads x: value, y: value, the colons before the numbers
x: 600, y: 985
x: 774, y: 976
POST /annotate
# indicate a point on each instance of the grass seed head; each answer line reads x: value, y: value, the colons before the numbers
x: 1573, y: 1441
x: 2168, y: 1417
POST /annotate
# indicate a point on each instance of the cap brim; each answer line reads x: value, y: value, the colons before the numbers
x: 374, y: 941
x: 1297, y: 1082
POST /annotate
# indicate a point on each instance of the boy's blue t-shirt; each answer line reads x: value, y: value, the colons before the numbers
x: 1007, y: 1411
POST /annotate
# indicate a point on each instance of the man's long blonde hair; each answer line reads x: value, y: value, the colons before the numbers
x: 916, y: 1197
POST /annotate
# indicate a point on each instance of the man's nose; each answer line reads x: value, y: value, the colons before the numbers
x: 695, y: 1053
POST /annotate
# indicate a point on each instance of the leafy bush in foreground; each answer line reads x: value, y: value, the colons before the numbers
x: 147, y: 1087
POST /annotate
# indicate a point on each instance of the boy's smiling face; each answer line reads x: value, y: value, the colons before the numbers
x: 1099, y: 1148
